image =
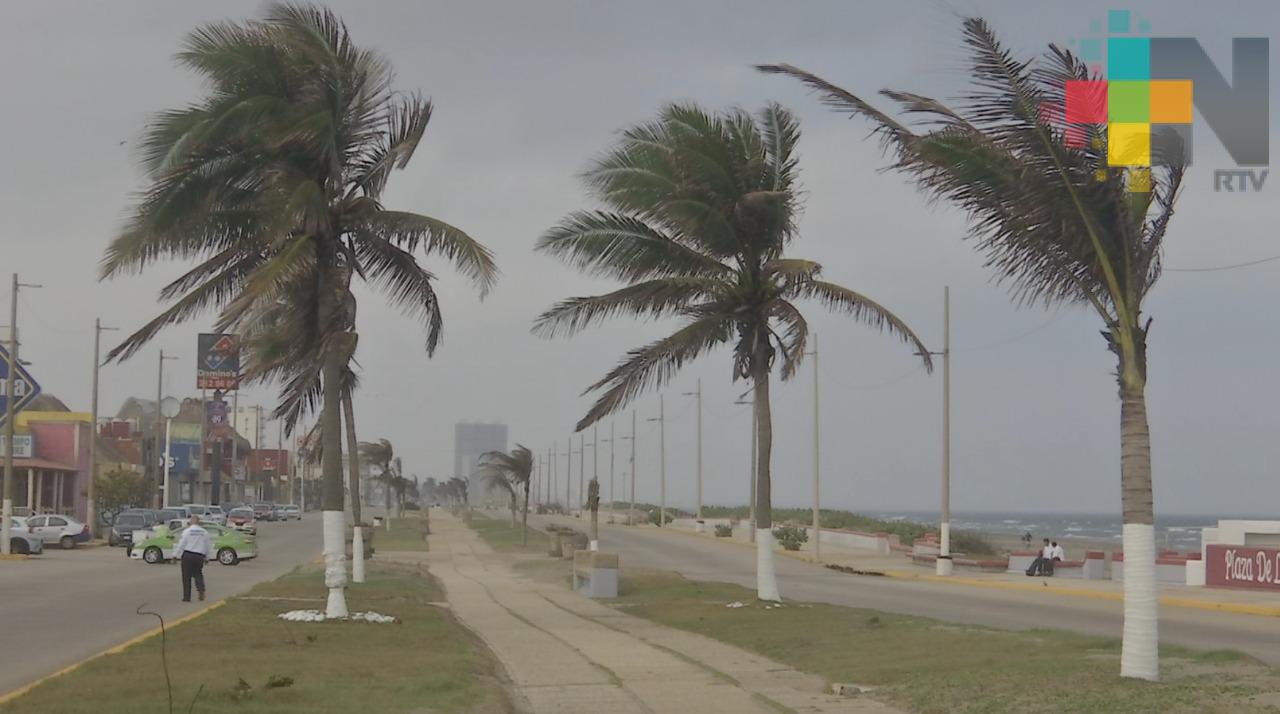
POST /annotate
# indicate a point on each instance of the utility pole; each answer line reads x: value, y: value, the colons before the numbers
x: 945, y: 566
x: 751, y: 477
x: 6, y: 505
x: 698, y: 519
x: 817, y: 482
x: 91, y: 492
x: 568, y: 475
x: 662, y: 468
x: 551, y: 482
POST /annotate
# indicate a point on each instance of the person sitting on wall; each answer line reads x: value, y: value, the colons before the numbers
x: 1043, y: 564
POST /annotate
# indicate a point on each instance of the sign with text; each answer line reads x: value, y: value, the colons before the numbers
x: 24, y: 446
x: 218, y: 361
x: 1242, y: 566
x: 215, y: 418
x: 25, y: 387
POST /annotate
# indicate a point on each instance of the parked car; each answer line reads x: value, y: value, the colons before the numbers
x: 63, y: 530
x: 293, y: 512
x: 23, y: 541
x: 264, y: 512
x: 242, y: 519
x: 125, y: 525
x: 209, y: 514
x: 229, y: 546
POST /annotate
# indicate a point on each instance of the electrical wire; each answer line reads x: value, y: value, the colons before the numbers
x: 1217, y: 268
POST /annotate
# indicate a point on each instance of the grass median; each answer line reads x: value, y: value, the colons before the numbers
x: 405, y: 534
x: 242, y: 658
x: 928, y: 666
x: 500, y: 536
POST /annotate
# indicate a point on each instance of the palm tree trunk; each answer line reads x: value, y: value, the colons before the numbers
x: 766, y: 578
x: 353, y: 457
x: 335, y: 551
x: 1139, y: 654
x: 524, y: 524
x: 514, y: 508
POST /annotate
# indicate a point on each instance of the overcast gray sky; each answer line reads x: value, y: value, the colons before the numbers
x: 526, y: 93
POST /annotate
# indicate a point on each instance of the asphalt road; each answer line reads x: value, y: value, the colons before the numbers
x: 61, y: 607
x: 705, y: 559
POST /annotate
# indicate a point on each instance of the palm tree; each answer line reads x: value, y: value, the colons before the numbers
x: 458, y: 489
x: 1060, y: 225
x: 381, y: 453
x: 512, y: 473
x: 273, y: 182
x: 703, y: 208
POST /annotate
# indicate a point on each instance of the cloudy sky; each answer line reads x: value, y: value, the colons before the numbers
x: 525, y: 94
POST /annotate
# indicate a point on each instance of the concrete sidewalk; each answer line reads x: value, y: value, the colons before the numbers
x: 565, y: 653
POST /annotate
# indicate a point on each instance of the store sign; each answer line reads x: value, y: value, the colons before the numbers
x: 218, y: 361
x: 24, y: 446
x: 1242, y: 566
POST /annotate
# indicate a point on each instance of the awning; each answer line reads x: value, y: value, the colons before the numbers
x: 42, y: 464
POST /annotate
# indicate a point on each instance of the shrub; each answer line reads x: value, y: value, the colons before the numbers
x: 656, y: 514
x: 723, y: 530
x: 790, y: 537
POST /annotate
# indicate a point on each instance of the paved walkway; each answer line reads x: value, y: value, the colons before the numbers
x: 566, y: 654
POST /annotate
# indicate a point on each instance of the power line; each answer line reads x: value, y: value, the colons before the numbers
x: 1223, y: 267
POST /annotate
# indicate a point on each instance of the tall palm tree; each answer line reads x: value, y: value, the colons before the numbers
x: 273, y: 183
x: 702, y: 210
x: 512, y: 473
x: 1060, y: 225
x: 382, y: 454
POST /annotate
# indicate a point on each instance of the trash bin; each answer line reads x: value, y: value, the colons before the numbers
x: 377, y: 521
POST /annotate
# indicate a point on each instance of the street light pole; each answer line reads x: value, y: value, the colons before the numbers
x: 662, y: 468
x: 91, y: 491
x: 944, y: 564
x: 817, y: 484
x: 613, y: 446
x: 631, y: 506
x: 6, y: 505
x: 159, y: 426
x: 698, y: 526
x: 582, y: 466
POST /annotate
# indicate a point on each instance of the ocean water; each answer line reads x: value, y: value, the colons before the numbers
x: 1181, y: 533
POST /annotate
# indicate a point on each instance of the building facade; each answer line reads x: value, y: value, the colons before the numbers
x: 470, y: 440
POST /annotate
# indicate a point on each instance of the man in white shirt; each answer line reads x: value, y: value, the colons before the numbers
x: 193, y: 549
x: 1059, y: 554
x: 1043, y: 564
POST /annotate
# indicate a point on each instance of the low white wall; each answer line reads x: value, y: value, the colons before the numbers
x: 1165, y: 572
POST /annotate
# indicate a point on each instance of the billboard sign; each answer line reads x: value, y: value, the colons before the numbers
x: 218, y: 361
x: 215, y: 418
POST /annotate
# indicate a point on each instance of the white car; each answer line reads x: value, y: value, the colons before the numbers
x: 209, y: 514
x: 21, y: 540
x: 63, y: 530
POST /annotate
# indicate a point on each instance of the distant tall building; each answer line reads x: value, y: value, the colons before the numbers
x: 248, y: 423
x: 472, y: 440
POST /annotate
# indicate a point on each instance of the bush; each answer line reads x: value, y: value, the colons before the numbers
x: 655, y: 515
x: 790, y: 537
x: 723, y: 530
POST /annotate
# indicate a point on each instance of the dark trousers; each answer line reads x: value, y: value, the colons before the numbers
x: 192, y: 569
x: 1041, y: 566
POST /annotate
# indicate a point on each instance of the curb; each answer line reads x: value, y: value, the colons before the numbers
x: 11, y: 695
x: 14, y: 556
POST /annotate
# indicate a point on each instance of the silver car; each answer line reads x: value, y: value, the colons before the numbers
x: 22, y: 541
x: 63, y: 530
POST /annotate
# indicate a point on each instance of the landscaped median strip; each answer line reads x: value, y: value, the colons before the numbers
x: 114, y: 649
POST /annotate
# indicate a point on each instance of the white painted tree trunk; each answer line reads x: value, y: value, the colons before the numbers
x: 1139, y: 657
x: 357, y: 554
x: 335, y: 565
x: 766, y: 579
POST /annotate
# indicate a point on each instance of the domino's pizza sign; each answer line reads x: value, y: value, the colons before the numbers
x: 218, y: 361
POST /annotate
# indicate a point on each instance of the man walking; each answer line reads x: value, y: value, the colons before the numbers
x: 194, y: 548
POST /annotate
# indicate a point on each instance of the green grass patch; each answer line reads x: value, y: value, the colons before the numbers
x: 927, y: 666
x: 426, y: 663
x: 406, y: 534
x: 500, y: 536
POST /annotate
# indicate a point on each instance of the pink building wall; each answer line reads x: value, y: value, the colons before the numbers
x: 66, y: 443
